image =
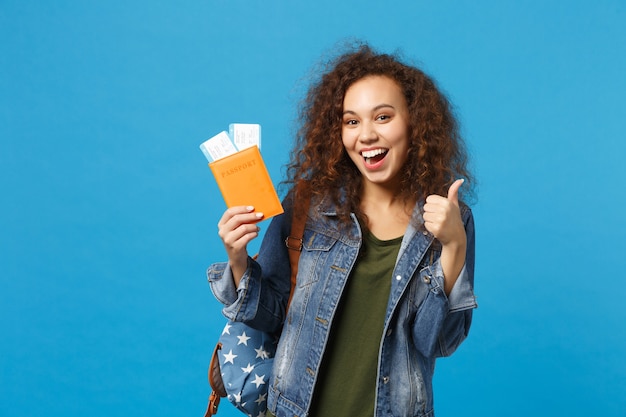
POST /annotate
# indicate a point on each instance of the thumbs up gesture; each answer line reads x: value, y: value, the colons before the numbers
x: 442, y: 216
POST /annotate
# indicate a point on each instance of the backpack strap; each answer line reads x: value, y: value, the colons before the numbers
x: 216, y: 383
x: 294, y: 243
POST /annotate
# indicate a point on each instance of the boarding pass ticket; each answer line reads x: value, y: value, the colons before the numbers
x: 245, y: 135
x: 219, y: 146
x: 242, y: 136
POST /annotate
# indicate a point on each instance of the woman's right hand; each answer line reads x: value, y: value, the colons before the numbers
x: 237, y: 228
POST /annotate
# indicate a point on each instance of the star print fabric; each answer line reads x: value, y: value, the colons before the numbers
x: 246, y: 360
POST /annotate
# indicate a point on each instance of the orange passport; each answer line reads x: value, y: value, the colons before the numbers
x: 244, y: 181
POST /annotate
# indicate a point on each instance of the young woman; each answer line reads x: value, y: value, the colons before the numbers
x: 385, y: 277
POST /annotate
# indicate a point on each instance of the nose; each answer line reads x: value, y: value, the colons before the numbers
x: 367, y: 133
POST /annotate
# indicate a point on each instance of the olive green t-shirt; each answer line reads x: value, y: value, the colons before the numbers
x: 346, y: 385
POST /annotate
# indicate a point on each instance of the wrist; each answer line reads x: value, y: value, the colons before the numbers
x: 455, y: 246
x: 238, y: 268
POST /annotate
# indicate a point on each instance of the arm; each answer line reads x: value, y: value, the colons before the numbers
x: 442, y: 218
x: 461, y: 299
x: 444, y: 320
x: 256, y: 291
x: 236, y: 228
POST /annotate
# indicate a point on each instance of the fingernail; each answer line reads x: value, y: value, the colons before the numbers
x: 259, y: 215
x: 250, y: 208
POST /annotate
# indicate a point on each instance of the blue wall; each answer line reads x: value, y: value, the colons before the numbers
x: 109, y: 212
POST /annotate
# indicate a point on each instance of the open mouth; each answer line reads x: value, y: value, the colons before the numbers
x: 374, y: 156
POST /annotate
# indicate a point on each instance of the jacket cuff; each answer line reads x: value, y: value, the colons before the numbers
x: 221, y: 282
x: 233, y: 298
x: 462, y: 295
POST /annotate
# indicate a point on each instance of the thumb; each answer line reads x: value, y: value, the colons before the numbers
x: 453, y: 191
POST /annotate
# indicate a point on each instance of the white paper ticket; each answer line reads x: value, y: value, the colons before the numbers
x: 219, y: 146
x: 245, y: 135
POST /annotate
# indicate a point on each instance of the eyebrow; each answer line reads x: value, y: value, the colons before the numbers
x: 376, y: 108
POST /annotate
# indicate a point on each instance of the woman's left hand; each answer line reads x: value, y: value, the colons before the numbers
x: 442, y: 218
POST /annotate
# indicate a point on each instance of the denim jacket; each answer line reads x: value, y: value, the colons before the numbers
x: 421, y: 322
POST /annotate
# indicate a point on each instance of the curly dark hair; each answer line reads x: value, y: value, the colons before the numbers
x: 319, y: 162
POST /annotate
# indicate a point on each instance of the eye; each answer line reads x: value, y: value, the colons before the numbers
x: 350, y: 122
x: 383, y: 118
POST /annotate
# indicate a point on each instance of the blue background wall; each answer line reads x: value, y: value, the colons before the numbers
x: 109, y: 212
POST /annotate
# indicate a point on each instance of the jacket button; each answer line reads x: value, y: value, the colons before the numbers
x: 398, y: 277
x: 385, y: 380
x: 427, y: 279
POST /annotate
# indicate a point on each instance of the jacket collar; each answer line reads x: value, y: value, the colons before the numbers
x: 327, y: 207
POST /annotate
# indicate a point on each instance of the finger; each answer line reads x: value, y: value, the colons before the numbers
x: 235, y: 216
x: 433, y: 227
x: 435, y: 203
x: 433, y: 217
x: 240, y: 223
x: 241, y: 236
x: 232, y: 212
x: 453, y: 191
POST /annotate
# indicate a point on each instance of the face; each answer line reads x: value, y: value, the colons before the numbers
x: 375, y: 129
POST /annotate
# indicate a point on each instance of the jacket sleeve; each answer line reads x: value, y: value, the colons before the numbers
x: 263, y: 292
x: 461, y: 300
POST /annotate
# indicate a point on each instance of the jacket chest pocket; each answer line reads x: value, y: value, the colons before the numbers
x: 426, y: 282
x: 316, y: 250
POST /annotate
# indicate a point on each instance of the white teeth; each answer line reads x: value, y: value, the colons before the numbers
x: 373, y: 153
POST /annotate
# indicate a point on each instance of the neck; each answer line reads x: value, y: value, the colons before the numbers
x: 381, y: 195
x: 388, y: 215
